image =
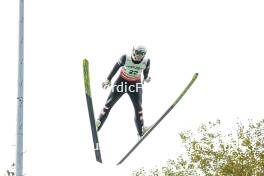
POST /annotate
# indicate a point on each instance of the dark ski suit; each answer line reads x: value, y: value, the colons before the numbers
x: 129, y: 81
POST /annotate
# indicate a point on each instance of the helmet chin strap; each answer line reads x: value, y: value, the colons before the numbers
x: 134, y: 58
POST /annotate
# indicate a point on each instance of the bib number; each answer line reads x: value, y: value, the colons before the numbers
x: 133, y: 72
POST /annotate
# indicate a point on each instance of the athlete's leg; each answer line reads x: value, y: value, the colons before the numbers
x: 136, y: 98
x: 113, y: 97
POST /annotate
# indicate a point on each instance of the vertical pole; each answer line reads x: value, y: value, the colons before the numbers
x: 19, y: 145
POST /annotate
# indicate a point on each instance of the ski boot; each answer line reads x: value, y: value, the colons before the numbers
x: 97, y: 124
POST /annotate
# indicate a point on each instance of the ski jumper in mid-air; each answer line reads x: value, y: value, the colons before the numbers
x: 128, y: 81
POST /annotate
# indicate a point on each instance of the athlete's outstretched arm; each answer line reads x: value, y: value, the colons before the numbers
x: 120, y: 63
x: 146, y: 70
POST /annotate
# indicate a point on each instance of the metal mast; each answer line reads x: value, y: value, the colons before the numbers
x: 19, y: 143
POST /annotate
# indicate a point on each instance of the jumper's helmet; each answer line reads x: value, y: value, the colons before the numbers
x: 138, y: 53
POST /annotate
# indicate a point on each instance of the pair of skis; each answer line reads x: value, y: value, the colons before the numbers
x: 92, y: 119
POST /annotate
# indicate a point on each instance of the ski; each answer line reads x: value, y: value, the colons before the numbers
x: 160, y: 119
x: 90, y: 109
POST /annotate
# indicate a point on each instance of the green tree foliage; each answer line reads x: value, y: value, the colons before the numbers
x: 11, y: 171
x: 211, y: 152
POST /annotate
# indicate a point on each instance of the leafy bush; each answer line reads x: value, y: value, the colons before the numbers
x: 210, y: 152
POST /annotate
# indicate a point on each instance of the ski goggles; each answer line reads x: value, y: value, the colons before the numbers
x: 138, y: 52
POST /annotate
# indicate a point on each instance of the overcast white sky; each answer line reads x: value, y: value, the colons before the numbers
x: 221, y: 40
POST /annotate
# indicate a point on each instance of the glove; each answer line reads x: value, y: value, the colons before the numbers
x: 147, y: 80
x: 106, y: 84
